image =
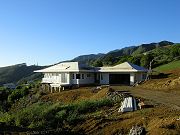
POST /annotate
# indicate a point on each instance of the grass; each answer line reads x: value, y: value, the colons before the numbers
x: 170, y: 66
x: 47, y: 115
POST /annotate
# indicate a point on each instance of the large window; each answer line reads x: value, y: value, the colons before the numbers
x: 63, y: 78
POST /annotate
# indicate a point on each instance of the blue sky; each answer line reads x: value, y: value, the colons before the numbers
x: 49, y: 31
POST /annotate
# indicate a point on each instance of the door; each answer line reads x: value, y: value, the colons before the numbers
x: 119, y: 79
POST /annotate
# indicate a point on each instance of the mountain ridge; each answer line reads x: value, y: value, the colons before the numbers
x: 140, y: 55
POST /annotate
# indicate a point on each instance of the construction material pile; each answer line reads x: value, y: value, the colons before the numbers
x: 117, y: 96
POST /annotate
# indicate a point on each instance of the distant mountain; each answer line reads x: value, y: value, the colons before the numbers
x: 86, y: 59
x: 141, y: 55
x: 18, y: 72
x: 114, y: 56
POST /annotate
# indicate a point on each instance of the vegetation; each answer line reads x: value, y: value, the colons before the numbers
x: 170, y: 66
x: 162, y: 53
x: 20, y: 72
x: 47, y: 114
x: 140, y: 55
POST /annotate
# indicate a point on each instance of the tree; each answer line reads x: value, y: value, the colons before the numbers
x: 145, y: 60
x: 98, y: 63
x: 175, y: 50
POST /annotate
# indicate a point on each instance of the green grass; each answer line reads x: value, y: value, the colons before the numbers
x: 170, y: 66
x: 47, y: 114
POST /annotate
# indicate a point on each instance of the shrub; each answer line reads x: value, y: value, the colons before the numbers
x: 89, y: 106
x: 7, y: 118
x: 74, y: 117
x: 61, y: 115
x: 17, y: 94
x: 28, y: 116
x: 48, y: 115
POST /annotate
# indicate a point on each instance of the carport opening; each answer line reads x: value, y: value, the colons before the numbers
x: 122, y: 79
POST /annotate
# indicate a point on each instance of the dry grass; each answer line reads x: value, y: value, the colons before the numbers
x: 70, y: 96
x: 159, y: 120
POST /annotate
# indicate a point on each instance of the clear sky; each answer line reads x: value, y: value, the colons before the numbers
x: 49, y: 31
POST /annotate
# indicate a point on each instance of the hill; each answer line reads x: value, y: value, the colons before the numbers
x: 19, y: 72
x: 132, y: 54
x: 170, y: 66
x: 86, y: 59
x: 140, y: 55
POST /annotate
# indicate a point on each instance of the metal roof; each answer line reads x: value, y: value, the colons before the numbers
x: 77, y: 67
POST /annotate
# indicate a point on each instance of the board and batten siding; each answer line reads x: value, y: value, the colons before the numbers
x: 57, y: 78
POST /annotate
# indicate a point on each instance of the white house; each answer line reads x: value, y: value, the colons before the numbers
x: 74, y: 73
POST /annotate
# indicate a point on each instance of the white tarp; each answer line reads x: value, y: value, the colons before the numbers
x: 128, y: 105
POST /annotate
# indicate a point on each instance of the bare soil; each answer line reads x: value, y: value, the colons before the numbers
x: 168, y: 98
x: 163, y: 118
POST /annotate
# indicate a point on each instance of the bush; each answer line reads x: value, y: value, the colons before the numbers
x: 48, y: 115
x: 89, y: 106
x: 17, y: 94
x: 7, y: 118
x: 61, y: 115
x: 74, y: 117
x: 27, y: 117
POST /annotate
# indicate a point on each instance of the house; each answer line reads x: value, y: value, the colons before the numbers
x: 76, y: 74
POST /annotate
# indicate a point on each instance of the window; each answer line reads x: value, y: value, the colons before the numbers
x: 73, y: 76
x: 101, y: 76
x: 45, y: 75
x: 82, y: 76
x: 88, y: 75
x: 63, y: 77
x: 78, y: 76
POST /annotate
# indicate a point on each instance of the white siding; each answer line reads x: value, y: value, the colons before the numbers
x: 132, y: 78
x: 88, y: 78
x: 56, y: 78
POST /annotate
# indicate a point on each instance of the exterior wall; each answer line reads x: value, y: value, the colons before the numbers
x: 132, y: 78
x: 140, y: 77
x: 104, y: 78
x: 56, y: 78
x: 88, y: 78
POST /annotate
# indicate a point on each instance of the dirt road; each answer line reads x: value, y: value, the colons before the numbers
x: 171, y: 99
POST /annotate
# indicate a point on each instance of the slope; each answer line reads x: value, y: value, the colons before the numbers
x: 170, y: 66
x: 17, y: 72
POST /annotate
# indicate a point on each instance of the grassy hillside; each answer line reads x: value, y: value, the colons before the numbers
x: 170, y: 66
x: 132, y: 54
x: 18, y: 72
x: 82, y: 111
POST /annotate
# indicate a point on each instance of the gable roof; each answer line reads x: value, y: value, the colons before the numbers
x: 123, y: 67
x: 67, y: 67
x: 76, y: 67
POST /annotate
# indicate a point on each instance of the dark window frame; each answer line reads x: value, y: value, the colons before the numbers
x: 78, y: 76
x: 82, y: 76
